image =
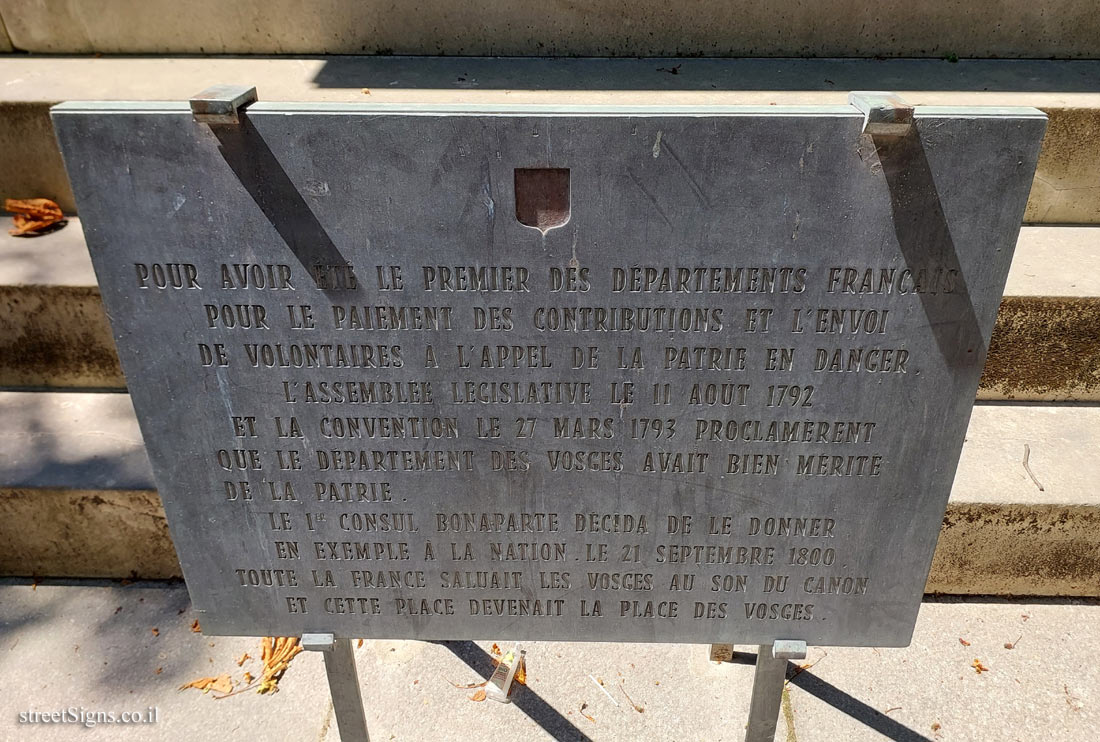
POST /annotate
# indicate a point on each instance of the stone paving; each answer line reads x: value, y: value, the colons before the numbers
x: 105, y: 646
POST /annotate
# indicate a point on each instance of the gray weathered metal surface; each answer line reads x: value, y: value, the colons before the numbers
x: 785, y: 494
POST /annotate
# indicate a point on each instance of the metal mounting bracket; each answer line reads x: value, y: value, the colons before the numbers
x: 222, y: 104
x: 884, y: 113
x: 789, y: 649
x: 318, y: 642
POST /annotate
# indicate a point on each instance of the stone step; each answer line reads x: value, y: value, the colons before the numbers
x: 53, y: 329
x: 838, y: 28
x: 90, y: 642
x: 77, y: 498
x: 1066, y: 188
x: 1046, y: 343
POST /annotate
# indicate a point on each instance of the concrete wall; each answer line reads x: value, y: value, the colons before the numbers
x: 1067, y: 181
x: 839, y: 28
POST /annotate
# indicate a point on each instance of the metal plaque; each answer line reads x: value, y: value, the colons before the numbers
x: 617, y: 374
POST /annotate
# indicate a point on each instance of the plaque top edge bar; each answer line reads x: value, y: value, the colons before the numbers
x: 537, y: 109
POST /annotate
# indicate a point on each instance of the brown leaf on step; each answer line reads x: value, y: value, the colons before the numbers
x: 495, y: 650
x: 200, y: 684
x: 366, y: 91
x: 479, y: 695
x: 39, y: 208
x: 221, y: 684
x: 277, y: 654
x: 248, y: 678
x: 978, y: 666
x: 243, y: 658
x: 195, y: 626
x: 1012, y: 645
x: 964, y: 642
x: 158, y: 671
x: 156, y: 631
x: 521, y: 671
x: 32, y: 214
x: 359, y: 645
x: 587, y: 715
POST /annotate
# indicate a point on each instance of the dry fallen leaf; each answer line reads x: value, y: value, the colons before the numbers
x: 221, y: 684
x: 479, y: 695
x: 359, y: 645
x: 243, y: 658
x: 156, y: 631
x: 978, y: 666
x: 277, y: 654
x: 224, y: 684
x: 964, y: 642
x: 586, y: 715
x: 248, y: 678
x: 195, y: 626
x: 158, y: 671
x: 200, y: 684
x: 32, y: 214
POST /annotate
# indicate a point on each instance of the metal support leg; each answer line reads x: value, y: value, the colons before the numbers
x: 767, y: 687
x: 343, y: 684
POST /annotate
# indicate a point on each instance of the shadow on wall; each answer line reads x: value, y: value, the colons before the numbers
x: 516, y: 73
